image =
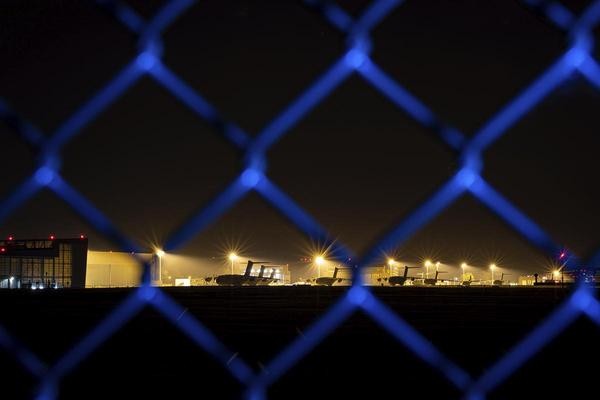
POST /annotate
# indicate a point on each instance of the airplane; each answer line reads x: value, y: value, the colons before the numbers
x: 245, y: 279
x: 433, y: 281
x: 401, y: 280
x: 330, y: 280
x: 499, y: 282
x: 468, y: 283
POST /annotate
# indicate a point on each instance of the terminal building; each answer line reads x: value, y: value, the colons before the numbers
x: 39, y: 263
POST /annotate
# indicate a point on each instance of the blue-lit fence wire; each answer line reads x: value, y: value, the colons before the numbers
x: 467, y: 180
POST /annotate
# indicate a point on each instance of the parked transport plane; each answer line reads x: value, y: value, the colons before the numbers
x: 401, y: 280
x: 245, y: 279
x: 330, y: 280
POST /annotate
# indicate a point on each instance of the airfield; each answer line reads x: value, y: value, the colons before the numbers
x: 473, y: 326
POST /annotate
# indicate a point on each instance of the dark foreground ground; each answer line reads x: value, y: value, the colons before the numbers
x: 149, y: 358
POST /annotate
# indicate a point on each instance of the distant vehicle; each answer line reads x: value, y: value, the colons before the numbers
x: 401, y: 280
x: 245, y: 279
x: 330, y: 280
x: 499, y: 282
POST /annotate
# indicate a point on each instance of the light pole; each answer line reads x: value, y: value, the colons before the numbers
x: 319, y: 260
x: 110, y: 268
x: 427, y: 265
x: 492, y: 267
x: 391, y: 263
x: 463, y: 266
x: 160, y: 254
x: 232, y: 258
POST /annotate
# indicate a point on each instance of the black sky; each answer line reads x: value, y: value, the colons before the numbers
x: 357, y: 163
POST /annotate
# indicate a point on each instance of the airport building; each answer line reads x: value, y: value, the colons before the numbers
x: 376, y: 275
x: 526, y: 280
x: 67, y: 263
x: 107, y: 269
x: 39, y: 263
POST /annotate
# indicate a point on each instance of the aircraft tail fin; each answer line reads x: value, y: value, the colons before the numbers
x: 248, y: 268
x: 439, y: 272
x: 406, y: 268
x: 250, y: 264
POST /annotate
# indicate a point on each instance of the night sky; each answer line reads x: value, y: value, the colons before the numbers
x: 356, y: 163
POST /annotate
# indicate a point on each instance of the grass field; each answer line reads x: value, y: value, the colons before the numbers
x: 150, y: 358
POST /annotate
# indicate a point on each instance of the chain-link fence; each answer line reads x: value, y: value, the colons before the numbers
x: 467, y: 179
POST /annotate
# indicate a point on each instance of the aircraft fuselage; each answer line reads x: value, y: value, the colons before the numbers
x: 397, y: 280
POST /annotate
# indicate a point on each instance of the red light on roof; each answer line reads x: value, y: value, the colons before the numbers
x: 11, y: 237
x: 52, y: 237
x: 2, y: 250
x: 81, y: 236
